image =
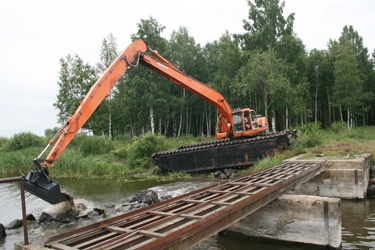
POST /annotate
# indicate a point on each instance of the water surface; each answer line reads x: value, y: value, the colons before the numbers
x: 358, y: 216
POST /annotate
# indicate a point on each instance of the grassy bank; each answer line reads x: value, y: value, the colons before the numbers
x: 92, y: 156
x: 313, y: 141
x: 124, y: 158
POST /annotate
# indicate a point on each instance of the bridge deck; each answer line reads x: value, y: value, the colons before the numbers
x: 186, y: 220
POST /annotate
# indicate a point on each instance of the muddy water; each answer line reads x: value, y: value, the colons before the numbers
x: 358, y: 217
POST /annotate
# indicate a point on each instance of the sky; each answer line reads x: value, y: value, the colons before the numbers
x: 36, y: 34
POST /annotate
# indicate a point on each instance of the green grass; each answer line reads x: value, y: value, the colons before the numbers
x: 313, y: 141
x: 96, y: 157
x: 131, y: 159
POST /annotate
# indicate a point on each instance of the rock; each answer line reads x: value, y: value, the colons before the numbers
x: 165, y: 197
x: 100, y: 211
x: 234, y: 175
x: 372, y: 172
x: 372, y: 181
x: 92, y: 214
x: 228, y: 172
x: 2, y: 232
x: 67, y: 217
x: 126, y: 208
x: 30, y: 217
x: 223, y: 176
x: 109, y: 205
x: 14, y: 224
x: 62, y: 217
x: 45, y: 218
x: 81, y: 206
x: 147, y: 196
x: 371, y: 190
x: 217, y: 173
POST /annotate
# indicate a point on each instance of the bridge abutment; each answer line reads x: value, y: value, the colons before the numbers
x: 301, y: 219
x: 311, y: 213
x: 341, y: 178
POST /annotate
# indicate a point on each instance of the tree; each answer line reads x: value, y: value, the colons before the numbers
x: 183, y: 51
x: 108, y: 53
x: 265, y: 75
x: 142, y: 89
x: 365, y: 65
x: 266, y: 26
x: 348, y: 84
x: 268, y: 29
x: 317, y: 68
x: 75, y: 79
x: 350, y: 43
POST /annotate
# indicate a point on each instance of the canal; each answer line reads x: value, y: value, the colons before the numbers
x: 358, y: 216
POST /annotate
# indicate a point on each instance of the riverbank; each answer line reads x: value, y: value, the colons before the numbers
x: 97, y: 157
x: 356, y: 233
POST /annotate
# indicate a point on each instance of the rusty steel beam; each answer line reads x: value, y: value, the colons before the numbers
x: 186, y: 220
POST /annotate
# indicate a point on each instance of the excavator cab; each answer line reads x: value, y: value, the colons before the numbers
x: 39, y: 184
x: 245, y: 122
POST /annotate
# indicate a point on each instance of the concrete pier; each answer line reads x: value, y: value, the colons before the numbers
x: 311, y: 213
x: 296, y: 218
x: 341, y: 178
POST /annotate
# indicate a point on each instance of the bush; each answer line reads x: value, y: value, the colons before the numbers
x: 50, y: 133
x: 140, y: 152
x: 337, y: 126
x: 95, y: 145
x: 18, y: 162
x: 309, y: 128
x: 24, y: 140
x: 121, y: 152
x: 3, y: 141
x: 306, y: 141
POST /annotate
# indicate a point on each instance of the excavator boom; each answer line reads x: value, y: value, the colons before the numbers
x: 38, y: 182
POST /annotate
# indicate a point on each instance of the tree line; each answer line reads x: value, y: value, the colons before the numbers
x: 266, y: 68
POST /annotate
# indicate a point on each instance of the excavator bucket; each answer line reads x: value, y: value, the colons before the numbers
x: 39, y: 184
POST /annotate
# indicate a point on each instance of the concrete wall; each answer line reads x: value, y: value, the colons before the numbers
x: 342, y: 178
x: 296, y: 218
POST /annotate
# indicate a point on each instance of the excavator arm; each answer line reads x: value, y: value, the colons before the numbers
x: 131, y: 56
x: 38, y: 182
x: 100, y: 90
x: 171, y: 72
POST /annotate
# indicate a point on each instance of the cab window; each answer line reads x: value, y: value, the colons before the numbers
x: 237, y: 122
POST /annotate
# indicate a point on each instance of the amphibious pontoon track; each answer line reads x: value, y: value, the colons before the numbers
x: 215, y: 155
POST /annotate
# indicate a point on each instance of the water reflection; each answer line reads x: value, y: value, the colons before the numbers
x: 358, y: 219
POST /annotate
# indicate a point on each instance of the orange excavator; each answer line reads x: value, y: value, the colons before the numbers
x: 231, y: 123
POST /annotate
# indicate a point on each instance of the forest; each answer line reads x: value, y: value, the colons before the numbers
x: 266, y: 68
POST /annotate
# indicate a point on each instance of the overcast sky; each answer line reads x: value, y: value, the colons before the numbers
x: 36, y: 34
